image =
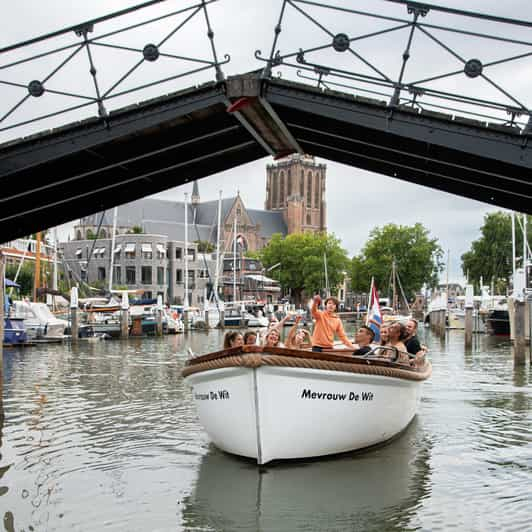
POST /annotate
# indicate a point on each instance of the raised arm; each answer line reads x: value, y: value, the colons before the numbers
x: 314, y: 309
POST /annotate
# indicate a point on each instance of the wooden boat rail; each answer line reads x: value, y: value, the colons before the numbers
x: 333, y: 360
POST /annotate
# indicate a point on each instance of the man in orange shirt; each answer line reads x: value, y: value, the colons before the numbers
x: 327, y: 325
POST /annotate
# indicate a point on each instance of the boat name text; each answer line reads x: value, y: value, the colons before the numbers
x: 212, y: 396
x: 327, y: 396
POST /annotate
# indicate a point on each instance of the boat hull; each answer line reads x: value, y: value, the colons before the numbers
x: 272, y: 412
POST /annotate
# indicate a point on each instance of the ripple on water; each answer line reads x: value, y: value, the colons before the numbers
x: 105, y: 436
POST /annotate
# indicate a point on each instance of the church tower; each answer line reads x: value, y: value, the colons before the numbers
x: 195, y: 199
x: 295, y: 186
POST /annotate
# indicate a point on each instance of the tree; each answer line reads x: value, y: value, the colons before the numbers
x: 24, y: 279
x: 301, y: 262
x: 490, y: 256
x: 418, y: 259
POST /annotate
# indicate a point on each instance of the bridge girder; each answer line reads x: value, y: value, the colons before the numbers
x: 60, y: 175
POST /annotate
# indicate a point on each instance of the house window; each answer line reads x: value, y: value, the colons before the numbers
x: 101, y: 273
x: 192, y: 254
x: 238, y: 211
x: 118, y: 276
x: 160, y: 275
x: 147, y: 251
x: 161, y: 251
x: 309, y: 189
x: 129, y: 250
x: 308, y: 219
x: 179, y: 277
x: 178, y: 253
x: 79, y: 253
x: 130, y: 275
x: 146, y: 276
x: 302, y: 184
x: 317, y: 194
x: 117, y: 251
x: 289, y: 184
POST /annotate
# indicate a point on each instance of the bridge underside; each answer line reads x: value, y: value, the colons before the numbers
x: 57, y: 176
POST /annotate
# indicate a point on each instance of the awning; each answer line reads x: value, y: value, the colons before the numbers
x: 100, y: 251
x: 79, y: 252
x: 146, y: 248
x: 130, y: 248
x: 160, y: 249
x: 118, y: 248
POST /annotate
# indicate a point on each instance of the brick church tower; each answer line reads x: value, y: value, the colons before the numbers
x: 295, y: 186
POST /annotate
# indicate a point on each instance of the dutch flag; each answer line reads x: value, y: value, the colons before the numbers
x: 374, y: 316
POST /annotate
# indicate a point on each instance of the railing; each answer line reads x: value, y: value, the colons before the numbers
x: 459, y: 62
x: 109, y: 55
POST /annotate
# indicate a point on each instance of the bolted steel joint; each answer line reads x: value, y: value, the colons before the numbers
x: 35, y: 88
x: 150, y: 52
x: 473, y: 68
x: 340, y: 42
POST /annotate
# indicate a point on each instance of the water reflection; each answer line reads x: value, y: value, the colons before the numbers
x: 378, y: 489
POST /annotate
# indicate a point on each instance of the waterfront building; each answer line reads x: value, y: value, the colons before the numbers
x: 295, y: 202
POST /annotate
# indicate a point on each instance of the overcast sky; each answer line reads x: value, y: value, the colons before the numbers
x: 357, y: 201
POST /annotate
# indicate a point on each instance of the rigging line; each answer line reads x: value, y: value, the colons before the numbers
x: 203, y: 254
x: 94, y: 244
x: 402, y: 291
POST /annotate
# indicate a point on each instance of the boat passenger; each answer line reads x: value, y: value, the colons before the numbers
x: 412, y: 343
x: 273, y: 339
x: 250, y: 338
x: 327, y: 325
x: 384, y: 333
x: 298, y: 338
x: 396, y: 336
x: 233, y: 339
x: 363, y: 338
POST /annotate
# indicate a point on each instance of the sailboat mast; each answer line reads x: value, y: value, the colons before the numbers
x: 524, y: 250
x: 326, y: 275
x: 513, y: 246
x: 185, y: 298
x: 37, y: 279
x: 234, y: 258
x: 217, y: 273
x: 394, y: 289
x: 113, y: 237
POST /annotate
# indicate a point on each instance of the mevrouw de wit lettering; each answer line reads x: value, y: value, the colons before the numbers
x: 351, y: 396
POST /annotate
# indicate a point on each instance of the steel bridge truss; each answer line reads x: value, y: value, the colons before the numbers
x: 78, y: 43
x: 339, y: 60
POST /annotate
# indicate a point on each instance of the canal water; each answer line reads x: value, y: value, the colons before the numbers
x: 104, y: 436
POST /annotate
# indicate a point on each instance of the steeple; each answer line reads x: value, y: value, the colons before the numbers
x: 195, y: 199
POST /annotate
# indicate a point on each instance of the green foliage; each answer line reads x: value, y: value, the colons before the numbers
x: 204, y: 246
x: 418, y: 259
x: 90, y: 235
x: 135, y: 230
x: 302, y: 265
x: 25, y: 277
x: 490, y: 257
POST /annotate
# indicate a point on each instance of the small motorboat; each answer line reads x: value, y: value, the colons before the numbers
x: 286, y: 404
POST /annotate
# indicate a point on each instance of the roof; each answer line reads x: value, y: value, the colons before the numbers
x: 270, y: 222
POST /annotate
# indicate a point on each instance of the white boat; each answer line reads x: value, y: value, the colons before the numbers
x: 39, y: 322
x: 287, y: 404
x: 256, y: 321
x: 456, y: 320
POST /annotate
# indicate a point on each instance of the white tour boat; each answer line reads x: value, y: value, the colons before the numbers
x: 287, y: 404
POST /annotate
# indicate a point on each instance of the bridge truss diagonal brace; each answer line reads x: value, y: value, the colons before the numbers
x: 246, y: 102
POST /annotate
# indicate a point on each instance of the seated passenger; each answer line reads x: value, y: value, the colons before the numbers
x: 363, y: 338
x: 273, y: 339
x: 250, y: 338
x: 384, y: 333
x: 411, y: 341
x: 298, y: 338
x: 233, y: 339
x: 396, y: 335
